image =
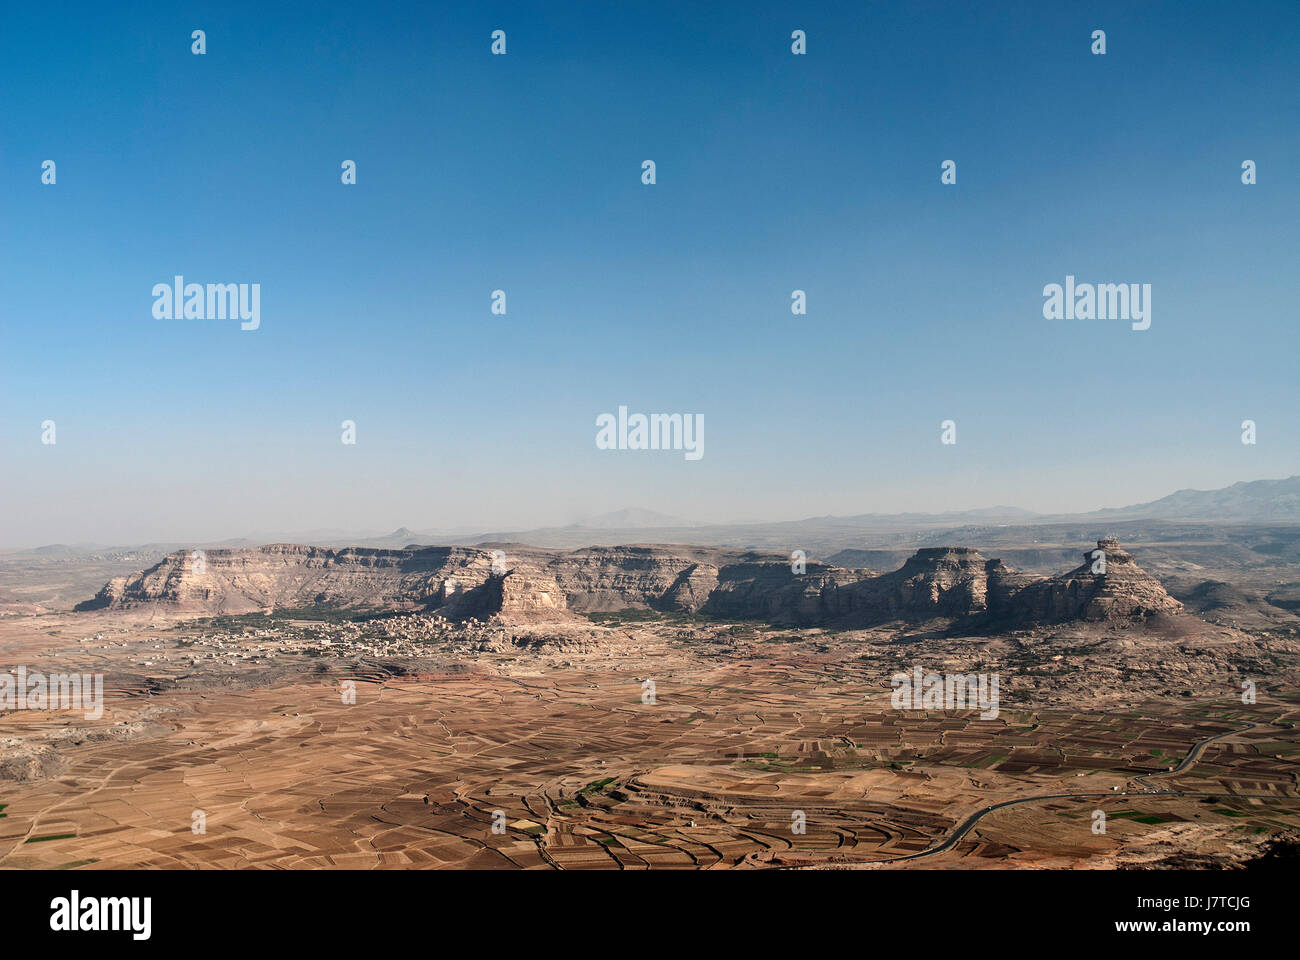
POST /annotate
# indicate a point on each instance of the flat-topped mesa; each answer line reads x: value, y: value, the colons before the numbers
x: 943, y: 558
x: 948, y: 580
x: 291, y: 576
x: 933, y: 582
x: 771, y: 590
x: 936, y: 583
x: 607, y: 579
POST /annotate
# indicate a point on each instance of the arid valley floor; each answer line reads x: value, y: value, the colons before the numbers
x: 662, y: 706
x: 227, y: 694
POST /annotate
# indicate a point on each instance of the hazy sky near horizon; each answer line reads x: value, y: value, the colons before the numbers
x: 523, y: 173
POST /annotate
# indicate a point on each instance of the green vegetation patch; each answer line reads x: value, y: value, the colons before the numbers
x: 317, y: 612
x: 1150, y: 819
x: 630, y: 615
x: 987, y: 763
x: 51, y: 836
x: 1278, y: 746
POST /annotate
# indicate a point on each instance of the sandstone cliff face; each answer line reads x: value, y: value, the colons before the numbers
x: 288, y: 576
x: 615, y: 578
x: 524, y: 584
x: 769, y: 590
x: 1004, y: 588
x: 1123, y: 591
x: 934, y: 582
x: 692, y: 588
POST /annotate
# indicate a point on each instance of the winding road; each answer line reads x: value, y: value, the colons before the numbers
x: 1192, y: 756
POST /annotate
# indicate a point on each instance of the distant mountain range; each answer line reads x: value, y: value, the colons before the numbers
x: 634, y: 518
x: 1258, y: 501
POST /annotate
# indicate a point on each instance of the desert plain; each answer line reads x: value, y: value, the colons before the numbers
x: 650, y: 708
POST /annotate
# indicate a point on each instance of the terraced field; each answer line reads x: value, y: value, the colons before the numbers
x: 788, y: 762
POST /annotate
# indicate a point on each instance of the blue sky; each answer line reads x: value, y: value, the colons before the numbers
x: 522, y: 172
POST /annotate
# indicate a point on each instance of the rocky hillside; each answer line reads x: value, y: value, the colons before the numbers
x: 1258, y: 500
x: 518, y: 583
x: 1108, y: 585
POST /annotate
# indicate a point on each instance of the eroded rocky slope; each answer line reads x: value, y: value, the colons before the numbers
x: 524, y: 584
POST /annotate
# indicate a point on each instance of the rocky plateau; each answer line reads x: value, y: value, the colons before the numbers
x: 520, y: 584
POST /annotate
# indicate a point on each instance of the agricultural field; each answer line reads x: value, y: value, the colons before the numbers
x: 735, y: 748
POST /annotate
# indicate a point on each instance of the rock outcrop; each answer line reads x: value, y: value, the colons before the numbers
x: 933, y: 582
x: 521, y: 583
x: 289, y: 576
x: 1108, y: 585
